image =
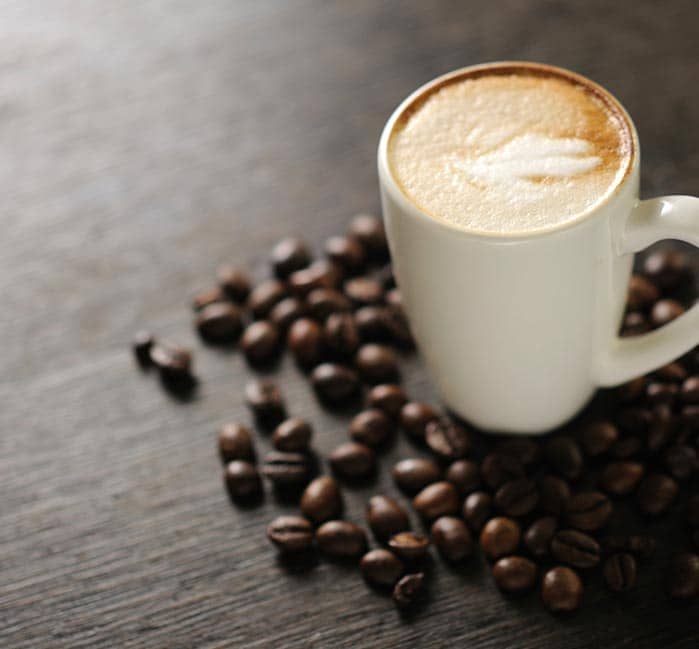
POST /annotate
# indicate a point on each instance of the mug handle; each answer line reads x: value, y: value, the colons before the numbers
x: 666, y: 217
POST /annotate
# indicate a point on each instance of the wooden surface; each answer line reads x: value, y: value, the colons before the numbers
x: 144, y: 143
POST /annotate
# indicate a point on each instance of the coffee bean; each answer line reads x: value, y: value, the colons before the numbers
x: 621, y: 478
x: 324, y: 301
x: 346, y: 252
x: 671, y: 372
x: 665, y: 311
x: 517, y: 497
x: 447, y: 439
x: 292, y: 435
x: 266, y: 402
x: 661, y: 430
x: 626, y: 447
x: 620, y: 572
x: 661, y: 393
x: 260, y: 342
x: 523, y: 449
x: 656, y: 493
x: 631, y: 391
x: 634, y: 324
x: 388, y: 397
x: 499, y: 468
x: 477, y: 509
x: 634, y: 420
x: 386, y: 517
x: 597, y: 437
x: 414, y: 417
x: 172, y: 361
x: 369, y: 231
x: 321, y: 500
x: 689, y: 392
x: 639, y: 545
x: 554, y: 494
x: 384, y: 324
x: 353, y: 461
x: 235, y: 443
x: 452, y: 538
x: 680, y: 461
x: 641, y: 294
x: 142, y: 344
x: 363, y: 291
x: 394, y: 298
x: 683, y: 576
x: 514, y: 574
x: 588, y: 510
x: 381, y: 567
x: 371, y: 427
x: 286, y: 312
x: 575, y: 549
x: 210, y: 296
x: 289, y: 255
x: 376, y: 363
x: 499, y: 537
x: 561, y: 589
x: 437, y: 499
x: 264, y: 296
x: 564, y: 455
x: 341, y: 539
x: 409, y: 546
x: 242, y: 480
x: 537, y: 537
x: 234, y: 282
x: 341, y: 335
x: 284, y: 470
x: 305, y: 342
x: 334, y: 383
x: 409, y: 590
x: 414, y: 474
x: 291, y: 534
x: 465, y: 475
x: 320, y: 274
x: 219, y: 322
x: 666, y: 268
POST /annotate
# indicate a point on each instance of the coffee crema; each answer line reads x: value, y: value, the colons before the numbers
x: 509, y: 152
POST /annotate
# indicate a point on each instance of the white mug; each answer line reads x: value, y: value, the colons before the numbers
x: 518, y: 331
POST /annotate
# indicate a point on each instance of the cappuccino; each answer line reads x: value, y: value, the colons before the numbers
x: 509, y: 151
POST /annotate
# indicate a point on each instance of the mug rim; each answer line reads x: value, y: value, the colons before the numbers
x: 417, y: 97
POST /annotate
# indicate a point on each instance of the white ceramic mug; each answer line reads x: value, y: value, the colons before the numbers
x: 519, y: 331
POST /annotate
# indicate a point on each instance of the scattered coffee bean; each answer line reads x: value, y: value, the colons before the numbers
x: 689, y: 392
x: 322, y: 302
x: 500, y: 536
x: 621, y: 478
x: 597, y: 437
x: 353, y: 461
x: 437, y: 499
x: 260, y: 342
x: 452, y: 538
x: 381, y: 567
x: 369, y: 231
x: 371, y: 427
x: 658, y: 393
x: 537, y: 537
x: 517, y: 497
x: 661, y: 430
x: 289, y: 255
x: 172, y: 361
x: 447, y: 439
x: 626, y: 447
x: 564, y: 455
x: 341, y: 335
x: 346, y: 252
x: 414, y: 417
x: 588, y: 510
x: 409, y: 590
x: 219, y: 322
x: 266, y: 402
x: 554, y: 494
x: 665, y: 311
x: 386, y: 517
x: 683, y: 576
x: 499, y: 468
x: 656, y: 493
x: 235, y: 443
x: 334, y: 383
x: 292, y: 435
x: 384, y: 324
x: 561, y: 589
x: 409, y: 546
x: 524, y: 449
x: 265, y: 296
x: 634, y: 324
x: 575, y: 549
x: 620, y: 572
x: 477, y: 509
x: 680, y: 461
x: 341, y: 539
x: 305, y: 341
x: 291, y: 534
x: 320, y: 274
x: 666, y: 268
x: 639, y: 545
x: 414, y: 474
x: 672, y: 372
x: 388, y: 397
x: 363, y: 291
x: 321, y: 500
x: 142, y: 344
x: 234, y: 282
x: 631, y: 391
x: 286, y: 312
x: 642, y: 293
x: 514, y: 574
x: 394, y: 298
x: 376, y: 363
x: 242, y: 480
x: 465, y: 475
x: 284, y: 470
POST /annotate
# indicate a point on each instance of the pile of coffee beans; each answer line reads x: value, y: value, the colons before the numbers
x: 545, y: 512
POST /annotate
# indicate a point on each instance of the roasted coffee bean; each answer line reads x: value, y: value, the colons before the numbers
x: 517, y: 497
x: 394, y: 298
x: 346, y: 252
x: 409, y: 546
x: 142, y: 344
x: 289, y: 255
x: 477, y: 509
x: 363, y: 291
x: 266, y: 402
x: 656, y: 493
x: 588, y: 510
x: 554, y: 494
x: 514, y: 574
x: 369, y: 231
x: 665, y: 311
x: 642, y: 293
x: 388, y: 397
x: 242, y: 480
x: 639, y: 545
x: 575, y: 549
x: 680, y: 461
x: 381, y: 567
x: 465, y: 475
x: 634, y: 420
x: 219, y: 322
x: 561, y: 589
x: 324, y: 301
x: 264, y: 296
x: 409, y: 590
x: 537, y: 537
x: 286, y: 469
x: 689, y: 416
x: 353, y: 461
x: 658, y: 393
x: 383, y: 324
x: 341, y: 539
x: 631, y: 391
x: 500, y: 536
x: 414, y: 474
x: 564, y: 455
x: 286, y: 312
x: 292, y: 436
x: 524, y: 449
x: 626, y: 447
x: 666, y: 268
x: 597, y: 437
x: 305, y: 341
x: 260, y: 342
x: 452, y: 538
x: 672, y: 372
x: 341, y: 335
x: 172, y: 361
x: 371, y: 427
x: 291, y: 534
x: 334, y: 383
x: 321, y: 500
x: 634, y: 324
x: 447, y: 439
x: 376, y: 363
x: 320, y: 274
x: 414, y: 417
x: 386, y: 517
x: 683, y: 576
x: 499, y: 468
x: 620, y: 572
x: 437, y: 499
x: 621, y: 478
x: 234, y: 282
x: 689, y: 392
x: 235, y: 443
x: 661, y: 430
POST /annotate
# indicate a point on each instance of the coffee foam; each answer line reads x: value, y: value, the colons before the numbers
x: 509, y: 153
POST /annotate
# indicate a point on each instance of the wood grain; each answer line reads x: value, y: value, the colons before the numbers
x: 144, y: 143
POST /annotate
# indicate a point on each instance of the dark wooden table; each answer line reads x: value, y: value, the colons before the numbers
x: 143, y: 144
